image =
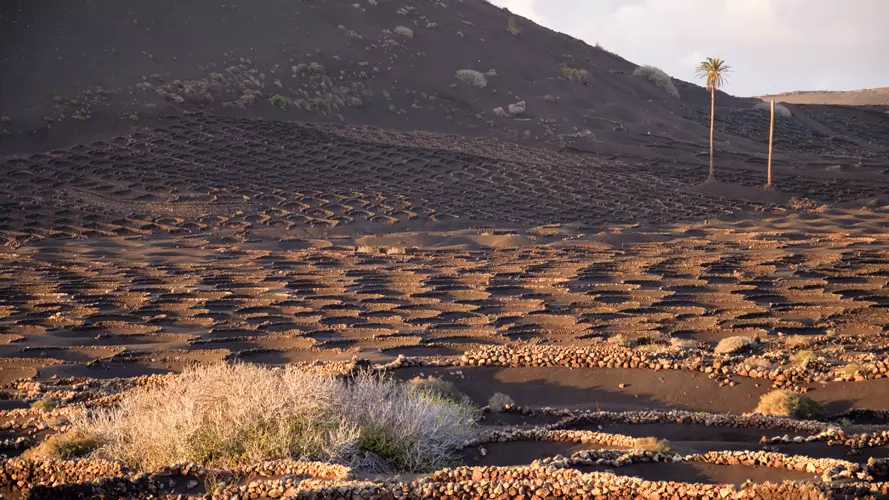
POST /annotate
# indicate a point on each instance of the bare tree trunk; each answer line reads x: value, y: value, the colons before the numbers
x: 771, y: 138
x: 712, y: 176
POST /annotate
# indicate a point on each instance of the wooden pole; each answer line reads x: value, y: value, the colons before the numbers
x: 771, y: 138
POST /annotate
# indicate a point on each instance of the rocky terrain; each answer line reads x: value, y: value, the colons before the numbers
x: 320, y: 185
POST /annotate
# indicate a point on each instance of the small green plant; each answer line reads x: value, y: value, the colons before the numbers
x: 549, y: 98
x: 512, y: 28
x: 45, y: 404
x: 279, y: 101
x: 789, y: 404
x: 382, y: 442
x: 133, y: 117
x: 5, y: 120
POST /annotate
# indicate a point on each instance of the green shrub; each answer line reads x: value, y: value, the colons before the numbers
x: 279, y: 101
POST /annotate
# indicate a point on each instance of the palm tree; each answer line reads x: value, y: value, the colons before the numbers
x: 714, y: 70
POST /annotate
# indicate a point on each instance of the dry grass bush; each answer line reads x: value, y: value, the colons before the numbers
x: 72, y: 444
x: 438, y: 388
x: 45, y: 404
x: 796, y: 341
x: 653, y: 348
x: 658, y: 77
x: 683, y: 343
x: 472, y: 77
x: 780, y: 109
x: 732, y: 345
x: 653, y: 444
x: 575, y: 75
x: 855, y: 369
x: 622, y: 340
x: 225, y: 414
x: 499, y: 402
x: 789, y: 404
x: 801, y: 357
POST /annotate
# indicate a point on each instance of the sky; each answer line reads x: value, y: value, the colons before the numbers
x: 772, y: 45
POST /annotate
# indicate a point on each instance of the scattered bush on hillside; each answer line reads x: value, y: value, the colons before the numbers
x: 789, y: 404
x: 279, y: 101
x: 517, y: 108
x: 499, y: 402
x: 549, y: 98
x: 404, y: 31
x: 659, y: 78
x: 225, y: 414
x: 512, y: 28
x: 780, y: 109
x: 575, y: 75
x: 732, y: 345
x: 472, y: 77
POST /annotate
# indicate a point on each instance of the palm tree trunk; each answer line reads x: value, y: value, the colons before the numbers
x: 712, y: 176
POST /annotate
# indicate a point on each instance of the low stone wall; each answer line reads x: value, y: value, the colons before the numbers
x: 830, y: 469
x: 20, y: 473
x: 608, y: 356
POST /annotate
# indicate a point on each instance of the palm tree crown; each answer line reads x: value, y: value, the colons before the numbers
x: 714, y: 70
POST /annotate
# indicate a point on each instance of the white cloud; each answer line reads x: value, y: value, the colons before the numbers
x: 773, y: 45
